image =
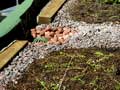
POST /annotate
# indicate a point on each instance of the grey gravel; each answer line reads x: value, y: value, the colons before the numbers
x: 105, y: 35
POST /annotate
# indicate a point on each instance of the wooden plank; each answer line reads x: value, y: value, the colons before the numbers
x: 49, y: 11
x: 10, y: 52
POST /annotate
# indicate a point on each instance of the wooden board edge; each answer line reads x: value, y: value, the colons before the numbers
x: 11, y: 51
x: 43, y: 20
x: 46, y: 19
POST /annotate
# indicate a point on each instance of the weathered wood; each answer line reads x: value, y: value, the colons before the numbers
x: 49, y: 11
x: 10, y: 52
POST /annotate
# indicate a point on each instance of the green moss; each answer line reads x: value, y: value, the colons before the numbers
x: 111, y: 69
x: 65, y: 65
x: 78, y: 78
x: 117, y: 86
x: 50, y: 66
x: 99, y: 54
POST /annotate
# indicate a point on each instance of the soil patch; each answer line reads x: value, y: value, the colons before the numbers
x: 74, y: 69
x: 91, y: 11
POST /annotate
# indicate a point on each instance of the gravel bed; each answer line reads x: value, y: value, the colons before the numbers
x: 18, y: 65
x: 105, y: 35
x: 89, y: 11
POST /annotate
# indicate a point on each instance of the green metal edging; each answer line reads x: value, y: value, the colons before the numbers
x: 14, y: 18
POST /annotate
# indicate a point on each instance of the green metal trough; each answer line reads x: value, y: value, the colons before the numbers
x: 15, y: 23
x: 14, y: 18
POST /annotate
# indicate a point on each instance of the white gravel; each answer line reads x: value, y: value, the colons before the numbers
x: 105, y: 35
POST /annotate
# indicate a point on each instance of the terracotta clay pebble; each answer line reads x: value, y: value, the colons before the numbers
x: 72, y: 32
x: 42, y: 32
x: 50, y: 42
x: 47, y: 35
x: 58, y: 43
x: 59, y: 29
x: 2, y: 88
x: 52, y: 33
x: 66, y: 30
x: 57, y: 32
x: 66, y: 36
x: 38, y: 31
x: 54, y: 29
x: 48, y: 28
x: 33, y: 30
x: 55, y: 38
x: 61, y: 40
x: 57, y: 35
x: 33, y: 33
